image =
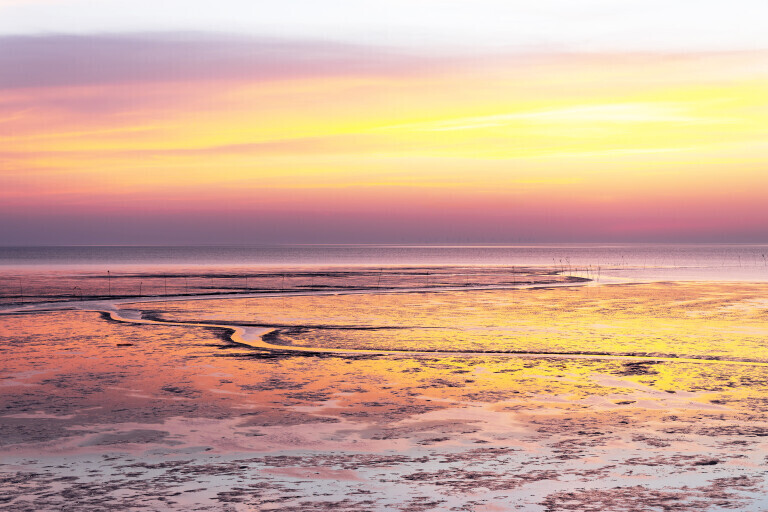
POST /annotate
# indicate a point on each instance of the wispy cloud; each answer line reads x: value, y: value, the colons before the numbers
x: 615, y: 113
x: 62, y: 60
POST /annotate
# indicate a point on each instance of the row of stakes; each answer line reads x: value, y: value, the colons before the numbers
x: 563, y: 265
x: 77, y: 291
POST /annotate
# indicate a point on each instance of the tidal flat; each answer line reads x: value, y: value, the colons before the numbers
x: 587, y: 398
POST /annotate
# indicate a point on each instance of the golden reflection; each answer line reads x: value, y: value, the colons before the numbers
x: 184, y: 400
x: 701, y: 320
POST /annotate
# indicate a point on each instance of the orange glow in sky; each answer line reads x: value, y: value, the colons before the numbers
x: 374, y: 145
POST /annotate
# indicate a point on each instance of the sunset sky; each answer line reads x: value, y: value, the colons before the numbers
x: 329, y: 121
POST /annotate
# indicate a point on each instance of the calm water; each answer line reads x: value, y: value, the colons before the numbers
x: 628, y: 261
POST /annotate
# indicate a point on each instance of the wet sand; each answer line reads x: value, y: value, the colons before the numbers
x: 392, y: 405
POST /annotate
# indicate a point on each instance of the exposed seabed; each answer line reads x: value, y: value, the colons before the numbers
x: 642, y: 397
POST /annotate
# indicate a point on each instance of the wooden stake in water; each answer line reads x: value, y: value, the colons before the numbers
x: 109, y: 284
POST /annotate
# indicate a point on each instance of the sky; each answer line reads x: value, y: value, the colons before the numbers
x: 329, y: 121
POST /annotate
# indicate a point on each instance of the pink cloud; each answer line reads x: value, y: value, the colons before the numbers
x: 59, y: 60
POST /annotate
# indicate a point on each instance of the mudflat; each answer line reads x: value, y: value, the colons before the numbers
x: 628, y: 397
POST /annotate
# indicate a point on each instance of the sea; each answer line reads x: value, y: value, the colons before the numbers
x: 673, y: 261
x: 101, y: 271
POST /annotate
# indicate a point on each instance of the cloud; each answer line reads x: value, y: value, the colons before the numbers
x: 66, y: 60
